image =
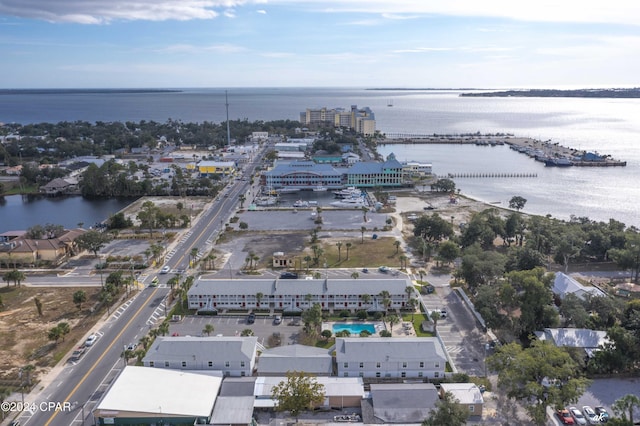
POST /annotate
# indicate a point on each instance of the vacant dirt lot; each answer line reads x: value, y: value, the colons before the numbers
x: 23, y: 332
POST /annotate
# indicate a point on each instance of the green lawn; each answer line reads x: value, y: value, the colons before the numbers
x: 369, y: 253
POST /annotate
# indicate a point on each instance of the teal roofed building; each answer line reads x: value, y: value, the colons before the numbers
x: 372, y: 174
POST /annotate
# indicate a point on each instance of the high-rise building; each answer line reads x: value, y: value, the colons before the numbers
x: 359, y: 120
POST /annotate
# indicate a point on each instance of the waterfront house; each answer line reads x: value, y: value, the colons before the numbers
x: 384, y: 357
x: 21, y: 251
x: 60, y: 186
x: 234, y: 356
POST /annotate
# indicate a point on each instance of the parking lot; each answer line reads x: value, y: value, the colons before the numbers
x: 232, y: 325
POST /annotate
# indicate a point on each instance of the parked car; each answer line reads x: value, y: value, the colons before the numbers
x: 590, y: 415
x: 165, y: 269
x: 288, y: 276
x: 251, y: 318
x: 277, y: 320
x: 603, y: 414
x: 578, y: 417
x: 383, y: 269
x: 441, y: 312
x: 91, y: 340
x: 565, y: 417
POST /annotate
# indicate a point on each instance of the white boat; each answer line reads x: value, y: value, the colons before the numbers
x: 356, y: 202
x: 301, y: 203
x: 348, y: 192
x: 287, y: 190
x: 320, y: 188
x: 266, y: 201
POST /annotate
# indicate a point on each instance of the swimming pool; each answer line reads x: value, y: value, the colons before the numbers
x: 353, y: 328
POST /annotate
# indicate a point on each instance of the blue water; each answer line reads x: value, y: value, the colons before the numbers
x: 609, y: 126
x: 353, y: 328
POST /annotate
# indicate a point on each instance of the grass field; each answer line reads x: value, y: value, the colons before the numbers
x: 367, y: 253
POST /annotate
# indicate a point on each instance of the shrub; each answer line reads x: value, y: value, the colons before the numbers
x: 344, y: 313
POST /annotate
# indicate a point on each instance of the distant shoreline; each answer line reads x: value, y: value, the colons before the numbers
x: 82, y: 91
x: 553, y: 93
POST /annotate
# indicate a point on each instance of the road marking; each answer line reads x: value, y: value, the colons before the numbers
x: 104, y: 353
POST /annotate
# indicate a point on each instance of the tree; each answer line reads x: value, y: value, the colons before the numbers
x: 432, y: 228
x: 148, y: 216
x: 517, y: 202
x: 246, y: 332
x: 393, y: 320
x: 79, y: 297
x: 259, y: 297
x: 163, y: 328
x: 626, y: 404
x: 363, y: 229
x: 629, y: 256
x: 348, y: 246
x: 397, y: 244
x: 435, y: 317
x: 312, y: 318
x: 448, y: 251
x: 54, y: 334
x: 443, y: 185
x: 448, y: 412
x: 524, y: 375
x: 297, y: 393
x: 243, y: 225
x: 38, y: 303
x: 92, y: 241
x: 208, y: 329
x: 242, y: 198
x: 355, y: 275
x: 339, y: 245
x: 64, y: 329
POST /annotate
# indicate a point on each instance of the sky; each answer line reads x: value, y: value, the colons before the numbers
x: 327, y: 43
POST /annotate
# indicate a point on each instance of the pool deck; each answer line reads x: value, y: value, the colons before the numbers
x: 403, y: 329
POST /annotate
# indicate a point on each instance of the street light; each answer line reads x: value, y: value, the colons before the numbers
x: 486, y: 348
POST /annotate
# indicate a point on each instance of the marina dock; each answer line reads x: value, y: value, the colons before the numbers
x: 551, y: 154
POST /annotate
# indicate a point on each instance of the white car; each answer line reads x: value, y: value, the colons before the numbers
x: 165, y: 269
x: 91, y: 340
x: 577, y: 415
x: 590, y: 414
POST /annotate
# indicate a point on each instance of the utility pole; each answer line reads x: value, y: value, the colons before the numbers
x: 226, y: 103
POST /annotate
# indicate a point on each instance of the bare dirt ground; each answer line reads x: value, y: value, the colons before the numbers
x: 23, y: 332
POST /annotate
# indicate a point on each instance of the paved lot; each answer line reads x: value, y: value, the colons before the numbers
x: 287, y: 220
x: 226, y: 325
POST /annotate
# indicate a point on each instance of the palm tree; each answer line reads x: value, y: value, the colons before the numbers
x: 348, y: 245
x: 386, y: 299
x: 403, y: 261
x: 242, y: 199
x: 363, y: 229
x: 422, y: 273
x: 193, y: 254
x: 413, y: 304
x: 308, y: 298
x: 163, y: 328
x: 254, y: 257
x: 144, y: 341
x: 64, y: 329
x: 409, y: 290
x: 259, y: 297
x: 208, y: 329
x: 393, y: 320
x: 397, y: 244
x: 339, y: 245
x: 365, y: 209
x: 355, y: 275
x: 435, y: 316
x: 366, y: 298
x: 307, y: 259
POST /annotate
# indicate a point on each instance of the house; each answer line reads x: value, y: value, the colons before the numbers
x: 152, y: 396
x: 26, y: 251
x: 282, y: 359
x: 339, y: 392
x: 384, y: 357
x: 60, y: 186
x: 563, y: 284
x: 583, y: 338
x: 402, y: 403
x: 234, y: 356
x: 467, y: 394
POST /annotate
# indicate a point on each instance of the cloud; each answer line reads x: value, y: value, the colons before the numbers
x: 612, y: 11
x: 261, y: 11
x: 105, y: 11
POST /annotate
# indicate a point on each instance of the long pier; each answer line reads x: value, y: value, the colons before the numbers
x: 492, y: 175
x: 539, y: 150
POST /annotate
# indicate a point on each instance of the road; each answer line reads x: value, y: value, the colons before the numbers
x: 79, y: 386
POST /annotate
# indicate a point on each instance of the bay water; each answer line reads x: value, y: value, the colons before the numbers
x: 608, y: 126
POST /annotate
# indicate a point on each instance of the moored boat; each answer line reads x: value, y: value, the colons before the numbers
x: 558, y: 162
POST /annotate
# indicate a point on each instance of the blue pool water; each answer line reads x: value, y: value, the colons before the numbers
x: 354, y: 328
